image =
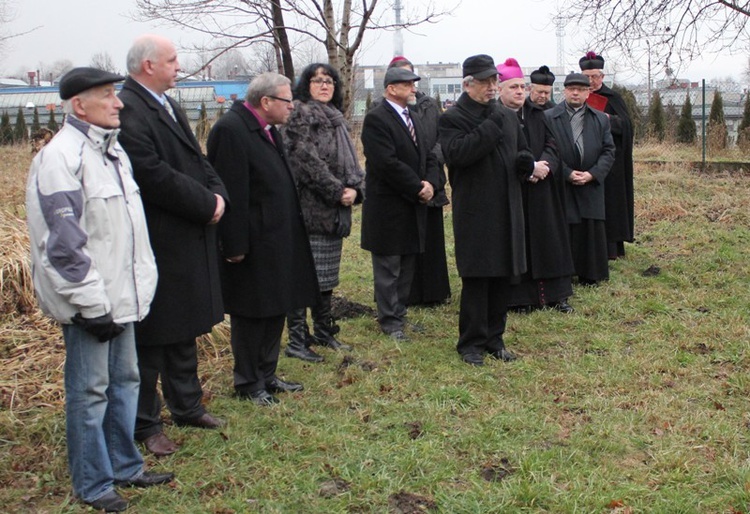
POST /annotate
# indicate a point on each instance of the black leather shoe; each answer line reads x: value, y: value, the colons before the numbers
x: 398, y: 335
x: 563, y: 306
x: 146, y: 479
x: 261, y: 398
x: 276, y: 385
x: 304, y: 353
x: 110, y: 502
x: 475, y: 359
x: 205, y: 421
x: 334, y: 344
x: 503, y: 354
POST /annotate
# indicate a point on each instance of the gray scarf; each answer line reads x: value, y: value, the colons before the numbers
x: 347, y: 161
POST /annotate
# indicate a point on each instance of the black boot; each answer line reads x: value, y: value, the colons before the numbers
x: 324, y: 327
x: 296, y: 325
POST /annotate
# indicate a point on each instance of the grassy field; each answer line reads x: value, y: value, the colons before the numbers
x: 638, y: 402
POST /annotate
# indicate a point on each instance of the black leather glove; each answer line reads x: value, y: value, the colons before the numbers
x: 495, y: 113
x: 103, y: 327
x: 525, y: 162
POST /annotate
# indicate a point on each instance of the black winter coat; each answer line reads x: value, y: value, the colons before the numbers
x: 585, y: 201
x: 618, y: 186
x: 313, y: 157
x: 548, y: 240
x: 177, y: 186
x: 485, y: 178
x: 393, y: 219
x: 265, y: 223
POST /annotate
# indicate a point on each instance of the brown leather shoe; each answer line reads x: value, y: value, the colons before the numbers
x: 205, y: 421
x: 160, y: 445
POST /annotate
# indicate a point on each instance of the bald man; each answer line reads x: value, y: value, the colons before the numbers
x: 184, y: 199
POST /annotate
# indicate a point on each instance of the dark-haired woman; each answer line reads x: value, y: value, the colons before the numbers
x: 329, y: 180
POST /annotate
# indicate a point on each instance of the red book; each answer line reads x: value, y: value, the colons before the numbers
x: 597, y: 101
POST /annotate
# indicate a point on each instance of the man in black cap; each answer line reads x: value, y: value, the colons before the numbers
x: 618, y: 187
x: 487, y: 158
x: 547, y: 281
x: 400, y: 181
x: 94, y: 272
x: 586, y: 151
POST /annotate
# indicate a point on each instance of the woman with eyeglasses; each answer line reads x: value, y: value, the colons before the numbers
x: 329, y: 181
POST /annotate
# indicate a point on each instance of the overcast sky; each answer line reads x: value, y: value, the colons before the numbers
x: 77, y: 29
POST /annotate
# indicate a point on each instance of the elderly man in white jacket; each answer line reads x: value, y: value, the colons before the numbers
x: 94, y: 272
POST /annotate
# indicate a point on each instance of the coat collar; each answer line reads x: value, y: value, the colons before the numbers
x: 471, y: 106
x: 180, y: 129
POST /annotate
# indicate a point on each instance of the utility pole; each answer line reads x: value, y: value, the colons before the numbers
x: 398, y: 38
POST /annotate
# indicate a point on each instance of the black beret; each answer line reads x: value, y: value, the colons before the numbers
x: 396, y: 75
x: 577, y: 79
x: 79, y: 80
x: 480, y: 67
x: 542, y: 76
x: 591, y: 61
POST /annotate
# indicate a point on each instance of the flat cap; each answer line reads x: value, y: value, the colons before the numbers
x: 79, y: 80
x: 577, y: 79
x: 396, y: 75
x: 479, y: 66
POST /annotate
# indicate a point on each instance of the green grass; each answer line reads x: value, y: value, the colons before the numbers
x: 635, y: 403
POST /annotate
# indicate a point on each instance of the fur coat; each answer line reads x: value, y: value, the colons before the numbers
x: 313, y: 157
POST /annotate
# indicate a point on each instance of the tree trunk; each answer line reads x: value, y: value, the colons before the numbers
x: 281, y: 40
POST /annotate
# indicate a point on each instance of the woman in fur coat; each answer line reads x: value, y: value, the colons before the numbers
x: 329, y: 180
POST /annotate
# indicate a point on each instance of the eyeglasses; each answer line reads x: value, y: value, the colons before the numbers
x: 319, y: 82
x: 287, y: 100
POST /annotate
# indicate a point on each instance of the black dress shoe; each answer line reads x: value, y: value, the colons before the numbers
x: 563, y: 306
x: 276, y: 385
x: 303, y: 353
x: 503, y: 354
x: 204, y: 421
x: 475, y: 359
x: 334, y: 344
x: 261, y: 398
x: 146, y: 479
x: 110, y: 502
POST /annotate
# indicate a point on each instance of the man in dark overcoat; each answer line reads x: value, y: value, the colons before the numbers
x: 487, y: 159
x: 431, y: 283
x: 547, y: 281
x: 618, y: 186
x: 401, y: 174
x: 268, y: 267
x: 184, y: 199
x: 586, y: 150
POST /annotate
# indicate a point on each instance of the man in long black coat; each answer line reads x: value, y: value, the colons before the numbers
x: 547, y: 281
x: 184, y: 200
x: 400, y: 179
x: 618, y: 186
x: 487, y: 159
x: 586, y: 154
x: 268, y: 267
x: 431, y: 283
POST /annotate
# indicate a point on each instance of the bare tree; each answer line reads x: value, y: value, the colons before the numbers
x: 673, y: 32
x: 7, y: 15
x: 338, y: 25
x: 103, y: 61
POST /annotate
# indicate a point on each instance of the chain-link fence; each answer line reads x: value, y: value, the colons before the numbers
x: 696, y: 122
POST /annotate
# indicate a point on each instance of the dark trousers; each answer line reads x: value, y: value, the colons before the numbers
x: 255, y: 345
x: 177, y: 364
x: 393, y: 275
x: 481, y: 321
